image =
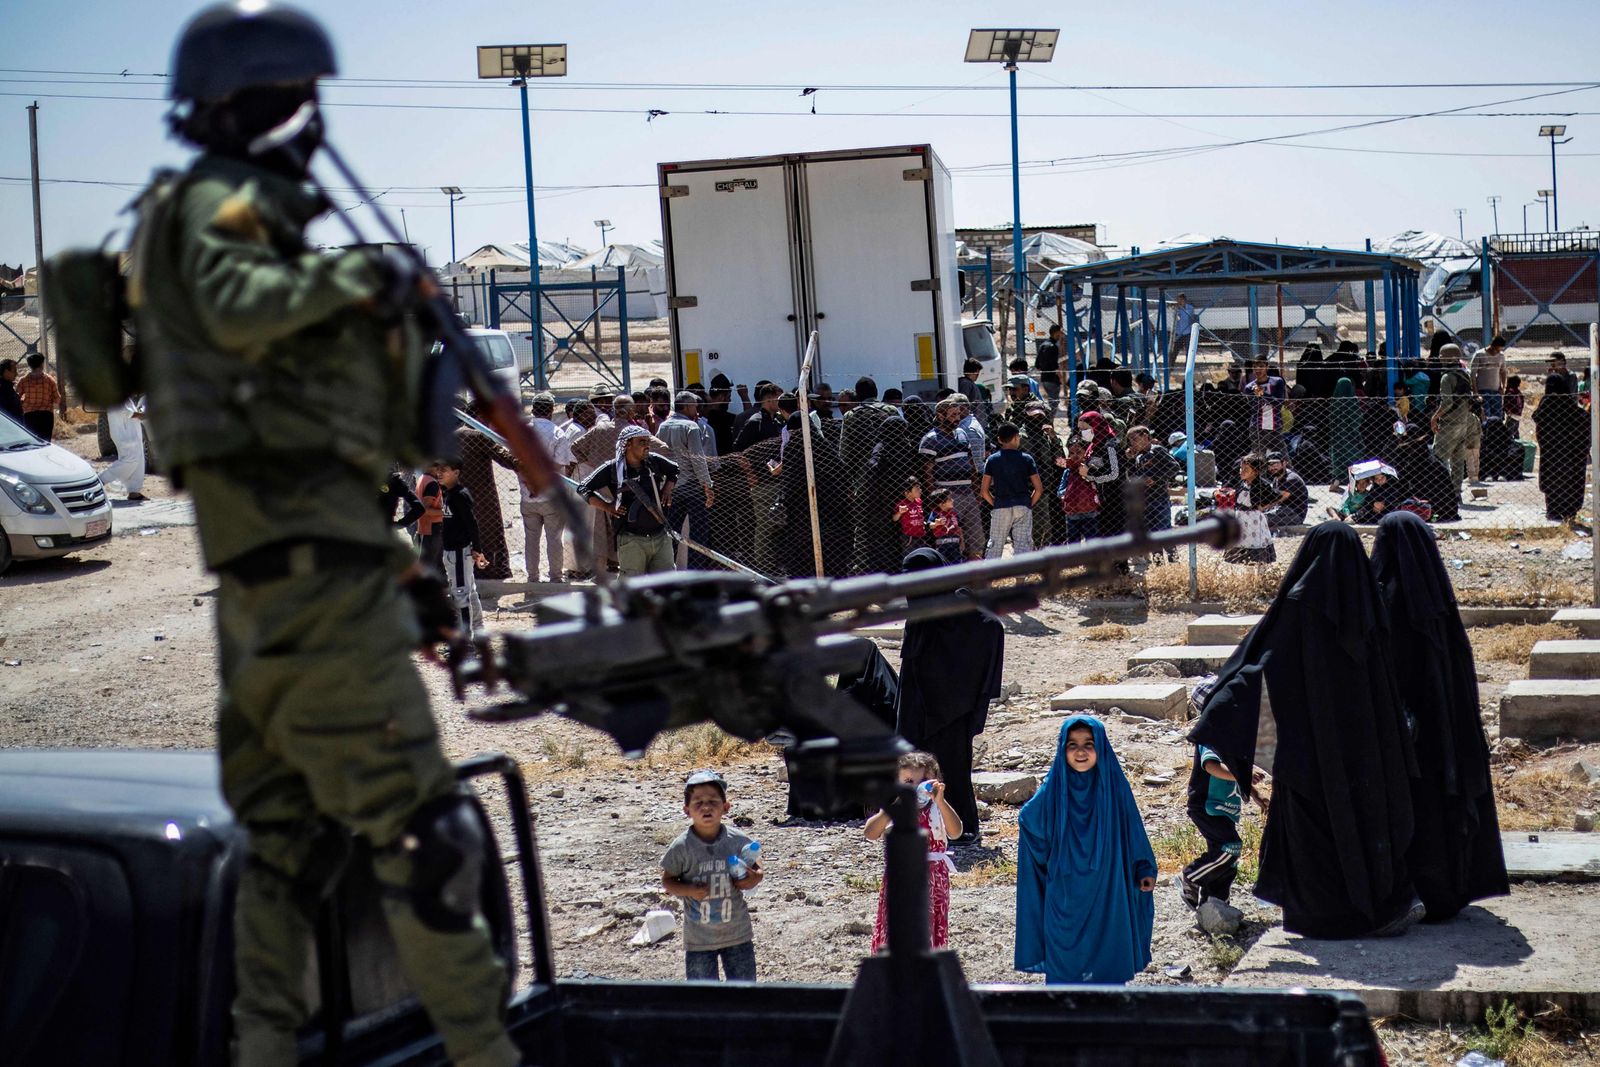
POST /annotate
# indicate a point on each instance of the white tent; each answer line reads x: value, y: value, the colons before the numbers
x: 631, y: 257
x: 1430, y: 248
x: 1043, y: 249
x: 514, y: 256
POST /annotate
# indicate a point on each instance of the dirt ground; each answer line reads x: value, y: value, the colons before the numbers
x: 114, y: 647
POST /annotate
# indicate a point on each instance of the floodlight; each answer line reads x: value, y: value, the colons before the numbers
x: 1546, y: 194
x: 522, y: 61
x: 1011, y: 46
x: 603, y: 222
x: 1552, y: 131
x: 451, y: 190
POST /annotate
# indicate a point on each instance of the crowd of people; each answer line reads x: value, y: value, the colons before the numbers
x: 1374, y: 781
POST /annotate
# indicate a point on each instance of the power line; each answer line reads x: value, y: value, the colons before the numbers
x: 1121, y: 116
x: 796, y: 87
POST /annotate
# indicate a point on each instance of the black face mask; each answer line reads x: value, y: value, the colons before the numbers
x: 228, y: 127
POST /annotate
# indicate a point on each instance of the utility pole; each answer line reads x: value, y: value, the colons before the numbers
x: 38, y: 235
x: 1494, y: 205
x: 1461, y: 226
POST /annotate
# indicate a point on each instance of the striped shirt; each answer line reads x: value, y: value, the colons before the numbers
x: 952, y: 457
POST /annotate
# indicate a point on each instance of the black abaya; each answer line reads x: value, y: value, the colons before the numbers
x: 1339, y: 825
x: 874, y: 685
x: 949, y: 671
x: 1562, y: 429
x: 1455, y: 856
x: 894, y: 458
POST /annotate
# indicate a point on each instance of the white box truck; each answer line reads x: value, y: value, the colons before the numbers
x: 858, y: 245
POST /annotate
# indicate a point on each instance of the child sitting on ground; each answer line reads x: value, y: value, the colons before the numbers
x: 945, y: 526
x: 908, y: 513
x: 716, y: 922
x: 1085, y: 869
x: 941, y: 823
x: 1353, y: 500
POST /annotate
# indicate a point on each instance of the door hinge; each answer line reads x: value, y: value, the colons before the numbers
x: 918, y: 174
x: 925, y: 285
x: 668, y: 192
x: 680, y: 302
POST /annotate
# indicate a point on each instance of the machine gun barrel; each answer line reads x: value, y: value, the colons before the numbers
x: 691, y: 646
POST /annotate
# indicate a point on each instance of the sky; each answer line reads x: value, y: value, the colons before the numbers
x: 595, y: 152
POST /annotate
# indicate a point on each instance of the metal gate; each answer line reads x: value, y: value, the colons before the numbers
x: 567, y: 333
x: 1547, y: 284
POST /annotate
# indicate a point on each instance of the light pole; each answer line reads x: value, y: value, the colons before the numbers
x: 1546, y: 195
x: 1553, y: 132
x: 1494, y: 206
x: 1011, y: 47
x: 454, y: 193
x: 604, y: 224
x: 1525, y: 208
x: 519, y: 62
x: 1461, y: 226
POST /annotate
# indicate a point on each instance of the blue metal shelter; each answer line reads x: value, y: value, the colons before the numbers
x: 1144, y: 279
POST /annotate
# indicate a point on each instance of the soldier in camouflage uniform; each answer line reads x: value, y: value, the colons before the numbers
x: 282, y: 384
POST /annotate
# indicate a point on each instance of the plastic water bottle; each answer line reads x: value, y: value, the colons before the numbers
x: 924, y: 794
x: 748, y: 857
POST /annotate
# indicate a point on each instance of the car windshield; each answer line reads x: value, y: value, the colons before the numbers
x: 498, y: 349
x: 979, y: 342
x: 14, y: 437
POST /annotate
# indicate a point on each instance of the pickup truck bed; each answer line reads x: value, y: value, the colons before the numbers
x: 117, y: 871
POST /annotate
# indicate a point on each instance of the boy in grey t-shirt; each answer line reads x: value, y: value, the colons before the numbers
x: 716, y: 923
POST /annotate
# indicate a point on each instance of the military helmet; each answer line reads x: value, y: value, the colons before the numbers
x: 248, y: 44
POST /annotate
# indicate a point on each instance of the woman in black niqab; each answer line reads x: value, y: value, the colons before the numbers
x: 1455, y: 855
x: 877, y: 532
x: 949, y: 671
x: 1339, y: 824
x: 797, y: 557
x: 1562, y: 429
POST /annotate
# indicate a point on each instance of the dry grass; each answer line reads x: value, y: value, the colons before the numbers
x: 862, y: 883
x: 1002, y: 870
x: 702, y: 745
x: 1222, y: 954
x: 1544, y: 799
x: 1514, y: 643
x: 1174, y: 848
x: 1101, y: 678
x: 1529, y: 586
x: 1238, y: 586
x: 567, y: 754
x: 1105, y: 631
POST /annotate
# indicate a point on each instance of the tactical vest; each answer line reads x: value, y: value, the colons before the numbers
x: 344, y: 386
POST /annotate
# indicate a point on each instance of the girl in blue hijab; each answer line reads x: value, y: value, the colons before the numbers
x: 1085, y: 869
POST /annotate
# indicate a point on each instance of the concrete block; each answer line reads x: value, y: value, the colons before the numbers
x: 1161, y: 701
x: 1004, y: 787
x: 1551, y: 856
x: 1192, y: 660
x: 1498, y: 616
x: 1221, y: 629
x: 1545, y: 709
x: 1587, y: 620
x: 1565, y: 659
x: 1532, y: 948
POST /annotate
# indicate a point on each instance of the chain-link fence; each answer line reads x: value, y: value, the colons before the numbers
x: 19, y: 325
x: 1501, y: 474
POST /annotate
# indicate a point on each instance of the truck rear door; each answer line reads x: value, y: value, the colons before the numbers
x: 731, y: 273
x: 870, y: 260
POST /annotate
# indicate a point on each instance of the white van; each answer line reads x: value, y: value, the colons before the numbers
x: 51, y: 502
x: 497, y: 348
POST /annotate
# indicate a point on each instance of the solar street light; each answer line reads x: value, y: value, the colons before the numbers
x: 519, y: 62
x: 1554, y: 132
x: 1011, y: 47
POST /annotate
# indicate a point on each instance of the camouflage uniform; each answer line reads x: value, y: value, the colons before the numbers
x: 278, y: 399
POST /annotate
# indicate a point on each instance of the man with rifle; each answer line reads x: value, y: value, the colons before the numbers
x: 282, y: 384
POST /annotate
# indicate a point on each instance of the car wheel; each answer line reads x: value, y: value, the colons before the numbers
x: 5, y: 550
x: 108, y: 450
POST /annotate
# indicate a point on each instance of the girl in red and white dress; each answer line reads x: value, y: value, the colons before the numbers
x: 941, y: 823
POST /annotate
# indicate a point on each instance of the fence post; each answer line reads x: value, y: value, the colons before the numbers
x: 1194, y: 446
x: 1594, y: 454
x: 622, y: 330
x: 1372, y: 311
x: 802, y: 392
x: 1486, y: 312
